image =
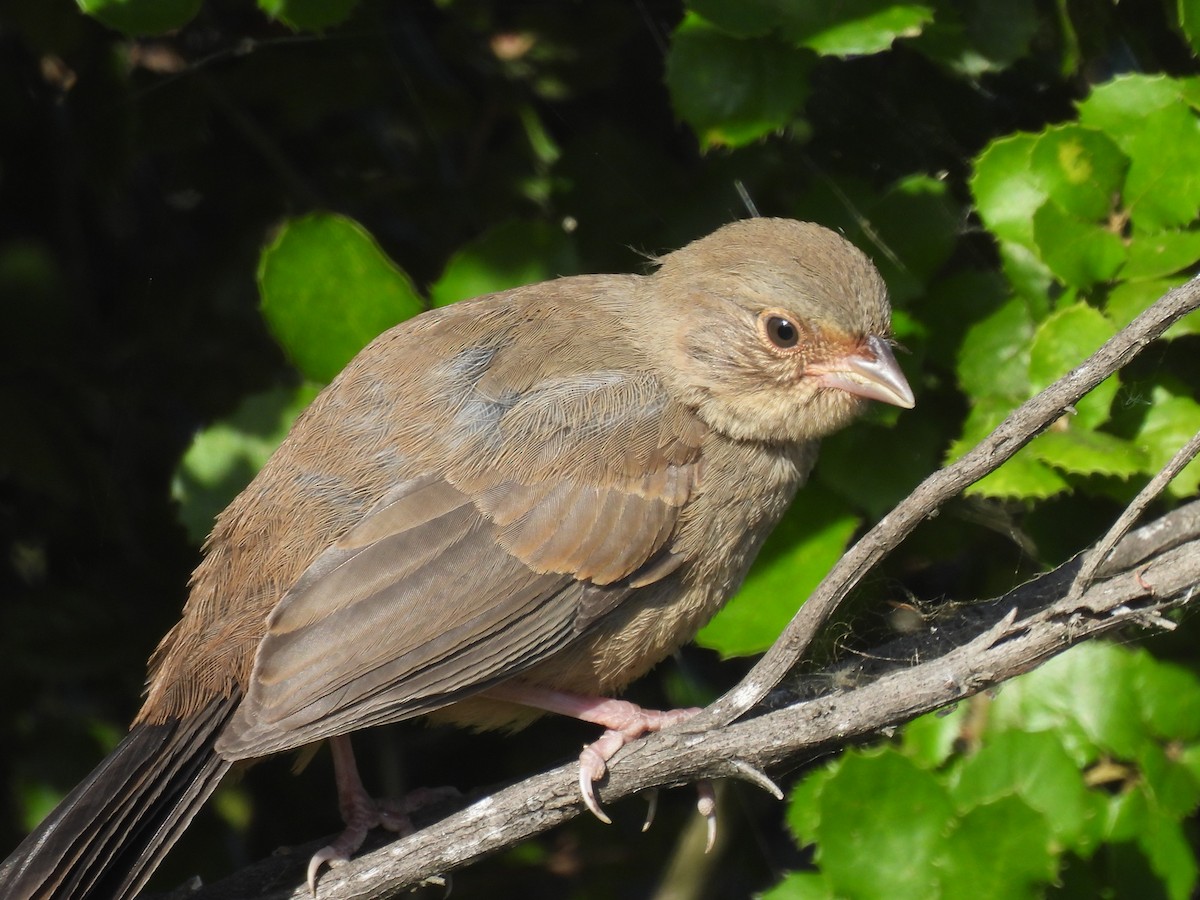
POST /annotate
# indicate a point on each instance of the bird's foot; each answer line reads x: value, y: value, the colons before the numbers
x: 624, y: 722
x: 361, y: 812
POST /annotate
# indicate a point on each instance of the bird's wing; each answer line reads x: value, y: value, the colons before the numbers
x: 461, y: 577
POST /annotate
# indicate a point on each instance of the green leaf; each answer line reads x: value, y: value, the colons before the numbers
x: 804, y: 546
x: 979, y: 36
x: 327, y: 290
x: 1171, y: 855
x: 995, y: 852
x: 1150, y: 119
x: 740, y: 18
x: 308, y: 15
x: 227, y: 454
x: 1078, y: 252
x: 804, y: 804
x: 1006, y: 189
x: 1087, y: 694
x: 1159, y: 253
x: 1080, y: 168
x: 141, y: 17
x: 859, y: 846
x: 1170, y: 698
x: 993, y: 359
x: 1033, y: 766
x: 1063, y: 341
x: 854, y: 27
x: 1171, y: 423
x: 509, y: 255
x: 1131, y: 298
x: 930, y: 739
x: 1022, y: 476
x: 1082, y: 452
x: 733, y: 91
x: 1189, y: 22
x: 801, y: 886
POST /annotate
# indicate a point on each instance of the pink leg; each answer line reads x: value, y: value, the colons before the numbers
x: 623, y: 722
x: 360, y: 812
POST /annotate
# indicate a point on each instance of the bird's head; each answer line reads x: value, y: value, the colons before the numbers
x: 775, y: 330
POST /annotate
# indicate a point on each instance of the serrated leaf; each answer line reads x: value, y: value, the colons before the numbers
x: 1171, y: 423
x: 860, y: 849
x: 1150, y: 119
x: 804, y: 802
x: 1080, y: 253
x: 1033, y: 766
x: 800, y: 551
x: 506, y: 256
x: 993, y: 360
x: 1006, y: 189
x: 1080, y: 168
x: 225, y: 455
x: 328, y: 289
x: 733, y: 91
x: 853, y: 27
x: 1082, y: 452
x: 1064, y: 340
x: 1000, y: 851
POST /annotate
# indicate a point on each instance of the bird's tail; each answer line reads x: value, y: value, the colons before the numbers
x: 110, y: 833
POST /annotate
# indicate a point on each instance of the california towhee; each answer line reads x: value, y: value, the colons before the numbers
x: 515, y: 504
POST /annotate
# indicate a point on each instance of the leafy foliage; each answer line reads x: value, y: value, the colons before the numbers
x: 202, y: 227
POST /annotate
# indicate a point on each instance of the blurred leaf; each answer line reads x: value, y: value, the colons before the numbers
x: 506, y: 256
x: 1086, y: 694
x: 328, y: 290
x: 801, y: 886
x: 997, y: 851
x: 930, y: 740
x: 308, y: 15
x: 1170, y: 698
x: 1034, y: 766
x: 227, y: 454
x: 853, y: 27
x: 800, y: 551
x: 860, y: 849
x: 1189, y: 22
x: 733, y: 91
x: 142, y: 17
x: 973, y: 37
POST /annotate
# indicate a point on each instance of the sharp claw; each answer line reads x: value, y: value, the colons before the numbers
x: 651, y: 808
x: 589, y: 771
x: 706, y: 805
x: 329, y: 855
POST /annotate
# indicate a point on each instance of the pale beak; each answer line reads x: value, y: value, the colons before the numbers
x: 872, y: 373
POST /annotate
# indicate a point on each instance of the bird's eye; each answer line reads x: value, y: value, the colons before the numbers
x: 782, y: 332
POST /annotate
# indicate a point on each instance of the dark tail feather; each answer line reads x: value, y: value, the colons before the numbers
x: 110, y: 833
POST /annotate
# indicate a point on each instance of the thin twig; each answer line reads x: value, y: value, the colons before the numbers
x: 1098, y: 554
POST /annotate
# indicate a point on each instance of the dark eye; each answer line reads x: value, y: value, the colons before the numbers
x: 782, y: 333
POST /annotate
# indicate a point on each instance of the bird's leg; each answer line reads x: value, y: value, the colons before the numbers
x: 361, y: 812
x: 624, y: 722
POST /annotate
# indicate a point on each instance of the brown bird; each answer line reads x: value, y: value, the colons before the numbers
x: 515, y: 504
